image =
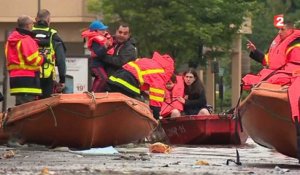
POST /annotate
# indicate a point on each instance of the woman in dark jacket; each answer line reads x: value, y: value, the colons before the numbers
x: 195, y: 99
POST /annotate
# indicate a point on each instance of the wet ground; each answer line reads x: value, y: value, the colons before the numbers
x: 136, y: 159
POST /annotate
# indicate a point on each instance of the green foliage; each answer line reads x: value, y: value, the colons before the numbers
x: 263, y: 29
x: 181, y: 27
x: 178, y: 27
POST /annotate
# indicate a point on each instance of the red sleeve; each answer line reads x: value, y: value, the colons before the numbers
x: 30, y: 52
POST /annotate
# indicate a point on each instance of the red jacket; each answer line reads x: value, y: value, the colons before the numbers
x: 22, y: 55
x: 23, y: 63
x: 152, y: 75
x: 171, y: 99
x: 93, y: 36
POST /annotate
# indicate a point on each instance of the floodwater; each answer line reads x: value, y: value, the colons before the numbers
x: 136, y: 159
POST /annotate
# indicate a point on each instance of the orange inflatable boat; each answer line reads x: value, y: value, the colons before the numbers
x: 266, y: 117
x: 80, y: 121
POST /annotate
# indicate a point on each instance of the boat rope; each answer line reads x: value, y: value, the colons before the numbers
x: 297, y: 125
x: 5, y: 118
x: 168, y: 104
x: 91, y: 95
x: 237, y: 162
x: 238, y: 123
x: 105, y: 96
x: 274, y: 72
x: 53, y: 115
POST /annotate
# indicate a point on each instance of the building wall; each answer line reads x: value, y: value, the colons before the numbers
x: 61, y: 10
x: 68, y: 17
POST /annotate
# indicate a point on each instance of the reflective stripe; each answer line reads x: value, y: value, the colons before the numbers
x: 20, y: 56
x: 32, y: 56
x: 125, y: 83
x: 267, y: 59
x: 138, y: 70
x: 141, y: 73
x: 153, y: 71
x: 35, y: 55
x: 25, y: 67
x: 156, y: 90
x: 44, y: 29
x: 290, y: 48
x: 6, y: 48
x: 156, y: 98
x: 26, y: 90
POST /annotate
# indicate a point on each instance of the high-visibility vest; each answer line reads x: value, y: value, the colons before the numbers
x: 44, y: 36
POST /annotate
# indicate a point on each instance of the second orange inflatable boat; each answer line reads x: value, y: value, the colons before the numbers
x: 266, y: 116
x: 80, y: 121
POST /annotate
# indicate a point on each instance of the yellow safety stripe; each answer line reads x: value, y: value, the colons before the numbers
x: 267, y: 59
x: 153, y: 71
x: 32, y: 56
x: 38, y: 60
x: 26, y: 90
x: 20, y: 56
x: 140, y: 76
x: 23, y: 66
x: 156, y: 90
x: 141, y: 73
x: 290, y: 48
x: 125, y: 83
x: 6, y: 49
x: 35, y: 55
x: 44, y: 29
x: 156, y: 98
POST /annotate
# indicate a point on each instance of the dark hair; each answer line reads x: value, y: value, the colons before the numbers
x: 123, y: 24
x: 173, y: 78
x: 196, y: 88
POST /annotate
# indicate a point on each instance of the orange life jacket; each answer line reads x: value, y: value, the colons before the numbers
x: 278, y: 51
x: 277, y: 57
x: 171, y: 99
x: 93, y: 36
x: 283, y: 56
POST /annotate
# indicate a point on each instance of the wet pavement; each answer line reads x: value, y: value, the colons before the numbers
x: 136, y: 159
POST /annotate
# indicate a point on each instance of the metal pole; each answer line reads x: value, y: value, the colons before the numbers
x: 5, y: 82
x: 39, y: 5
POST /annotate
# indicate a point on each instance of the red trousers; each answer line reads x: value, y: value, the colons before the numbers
x: 100, y: 78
